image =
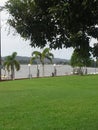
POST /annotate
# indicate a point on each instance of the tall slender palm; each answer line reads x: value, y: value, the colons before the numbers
x: 42, y: 56
x: 11, y: 64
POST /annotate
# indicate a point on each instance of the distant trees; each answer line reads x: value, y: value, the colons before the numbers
x: 11, y: 64
x: 45, y: 54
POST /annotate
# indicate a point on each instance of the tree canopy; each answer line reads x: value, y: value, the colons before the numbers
x: 58, y: 23
x: 78, y: 60
x: 95, y: 50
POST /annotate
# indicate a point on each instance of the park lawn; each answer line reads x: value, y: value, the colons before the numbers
x: 55, y: 103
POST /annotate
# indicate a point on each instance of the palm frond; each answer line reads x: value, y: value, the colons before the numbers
x: 51, y: 55
x: 32, y: 59
x: 14, y: 54
x: 49, y: 58
x: 17, y: 65
x: 36, y: 53
x: 46, y: 50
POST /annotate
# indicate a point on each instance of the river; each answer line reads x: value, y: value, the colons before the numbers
x: 25, y: 71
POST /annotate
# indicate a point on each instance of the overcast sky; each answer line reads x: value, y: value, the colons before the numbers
x: 10, y: 43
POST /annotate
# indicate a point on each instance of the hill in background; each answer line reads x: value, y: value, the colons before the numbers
x: 26, y: 60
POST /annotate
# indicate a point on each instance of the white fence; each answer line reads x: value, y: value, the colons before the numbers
x: 27, y: 71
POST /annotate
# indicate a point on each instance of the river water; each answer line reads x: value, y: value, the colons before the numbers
x: 25, y: 71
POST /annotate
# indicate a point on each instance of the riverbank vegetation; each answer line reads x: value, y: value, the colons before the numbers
x: 56, y: 103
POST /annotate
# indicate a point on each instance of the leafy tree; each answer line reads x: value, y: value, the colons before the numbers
x: 79, y: 59
x: 95, y: 50
x: 42, y: 56
x: 61, y: 23
x: 11, y: 64
x: 95, y: 53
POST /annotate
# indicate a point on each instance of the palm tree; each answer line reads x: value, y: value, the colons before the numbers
x: 42, y: 56
x: 11, y: 64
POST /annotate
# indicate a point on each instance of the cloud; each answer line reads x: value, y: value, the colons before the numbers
x: 10, y: 43
x: 2, y: 2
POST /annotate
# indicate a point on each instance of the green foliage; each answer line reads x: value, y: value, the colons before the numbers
x: 95, y: 50
x: 80, y: 58
x: 60, y: 103
x: 60, y: 23
x: 11, y: 64
x: 42, y: 56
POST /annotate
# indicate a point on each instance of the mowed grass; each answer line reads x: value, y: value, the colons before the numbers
x: 56, y: 103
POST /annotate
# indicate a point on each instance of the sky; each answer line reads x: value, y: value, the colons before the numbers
x: 14, y: 43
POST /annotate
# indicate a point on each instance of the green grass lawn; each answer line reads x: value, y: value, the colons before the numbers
x: 56, y: 103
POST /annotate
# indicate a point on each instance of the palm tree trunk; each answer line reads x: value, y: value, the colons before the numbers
x: 8, y: 74
x: 43, y: 69
x: 12, y: 73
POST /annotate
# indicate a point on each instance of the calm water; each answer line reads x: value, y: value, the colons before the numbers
x: 25, y: 70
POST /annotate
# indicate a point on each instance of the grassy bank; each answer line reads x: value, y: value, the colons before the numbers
x: 58, y: 103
